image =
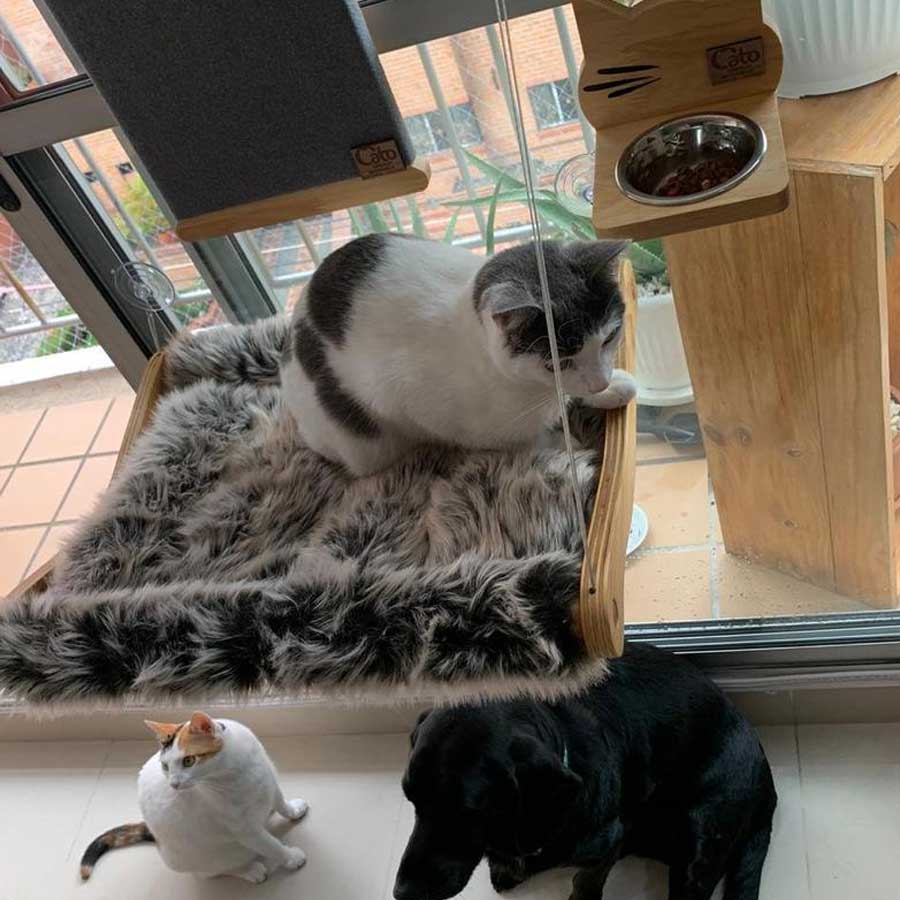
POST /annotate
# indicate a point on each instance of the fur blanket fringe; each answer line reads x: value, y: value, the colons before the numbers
x: 229, y: 560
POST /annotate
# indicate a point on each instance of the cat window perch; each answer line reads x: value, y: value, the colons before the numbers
x: 263, y: 88
x: 354, y: 616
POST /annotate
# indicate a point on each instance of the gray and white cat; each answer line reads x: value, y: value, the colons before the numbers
x: 400, y: 341
x: 207, y: 796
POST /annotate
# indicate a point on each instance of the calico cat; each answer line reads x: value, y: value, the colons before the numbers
x: 400, y: 341
x: 206, y: 796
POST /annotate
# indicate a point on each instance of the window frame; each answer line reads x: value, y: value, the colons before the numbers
x: 755, y: 653
x: 555, y: 91
x: 429, y: 117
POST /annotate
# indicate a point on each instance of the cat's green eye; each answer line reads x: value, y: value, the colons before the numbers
x: 188, y: 761
x: 612, y: 335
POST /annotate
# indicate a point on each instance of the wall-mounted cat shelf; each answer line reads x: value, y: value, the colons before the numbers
x: 682, y: 94
x: 246, y: 115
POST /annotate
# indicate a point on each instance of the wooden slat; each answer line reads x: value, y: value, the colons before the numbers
x: 842, y: 232
x: 309, y: 202
x: 892, y: 265
x: 892, y: 254
x: 740, y: 297
x: 151, y: 388
x: 600, y: 619
x: 37, y: 581
x: 860, y: 127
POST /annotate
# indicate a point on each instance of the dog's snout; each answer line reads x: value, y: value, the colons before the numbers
x: 406, y: 892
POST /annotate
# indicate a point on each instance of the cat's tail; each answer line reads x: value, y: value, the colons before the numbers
x: 120, y: 836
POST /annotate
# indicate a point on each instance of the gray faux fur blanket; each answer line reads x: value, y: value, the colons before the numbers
x: 227, y: 559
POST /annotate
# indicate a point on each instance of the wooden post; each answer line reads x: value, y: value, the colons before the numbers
x: 786, y: 326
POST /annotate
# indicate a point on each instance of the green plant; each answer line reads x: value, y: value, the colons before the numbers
x: 370, y: 219
x: 69, y: 337
x: 140, y: 205
x: 558, y: 221
x: 649, y: 261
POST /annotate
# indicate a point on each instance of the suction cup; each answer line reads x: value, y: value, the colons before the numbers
x: 144, y: 285
x: 574, y: 184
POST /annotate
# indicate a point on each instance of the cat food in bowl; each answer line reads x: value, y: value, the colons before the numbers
x: 690, y: 159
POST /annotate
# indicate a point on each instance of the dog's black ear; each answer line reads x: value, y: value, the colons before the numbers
x: 414, y: 734
x: 547, y: 788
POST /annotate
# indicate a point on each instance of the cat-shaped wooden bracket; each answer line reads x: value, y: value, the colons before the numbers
x: 663, y: 59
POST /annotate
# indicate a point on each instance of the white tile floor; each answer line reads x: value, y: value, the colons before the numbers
x: 837, y: 830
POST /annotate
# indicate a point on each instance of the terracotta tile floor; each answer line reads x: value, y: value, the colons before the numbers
x: 54, y: 463
x: 682, y: 572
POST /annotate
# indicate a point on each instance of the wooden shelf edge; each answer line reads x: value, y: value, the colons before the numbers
x: 765, y: 192
x: 600, y: 617
x: 314, y: 201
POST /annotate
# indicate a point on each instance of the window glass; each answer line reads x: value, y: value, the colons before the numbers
x: 117, y: 189
x: 35, y: 319
x: 553, y: 103
x: 543, y: 105
x: 473, y: 97
x: 30, y: 54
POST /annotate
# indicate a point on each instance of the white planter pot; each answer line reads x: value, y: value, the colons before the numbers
x: 835, y: 45
x: 661, y: 369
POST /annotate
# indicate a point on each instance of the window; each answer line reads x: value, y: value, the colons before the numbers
x: 130, y: 208
x: 429, y: 133
x: 30, y: 53
x: 35, y: 319
x: 553, y: 103
x: 684, y: 588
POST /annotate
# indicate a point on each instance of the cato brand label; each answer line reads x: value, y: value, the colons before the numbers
x: 377, y: 159
x: 738, y: 60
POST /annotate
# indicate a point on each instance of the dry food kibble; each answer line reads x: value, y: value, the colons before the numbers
x: 701, y: 176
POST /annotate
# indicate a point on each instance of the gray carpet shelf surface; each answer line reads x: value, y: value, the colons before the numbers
x: 229, y: 101
x: 228, y: 560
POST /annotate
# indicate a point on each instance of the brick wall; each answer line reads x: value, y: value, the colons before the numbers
x: 33, y: 33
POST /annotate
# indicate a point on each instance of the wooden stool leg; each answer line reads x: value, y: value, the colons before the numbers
x: 784, y: 321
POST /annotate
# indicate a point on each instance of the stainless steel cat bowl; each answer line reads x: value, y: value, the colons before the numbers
x: 690, y: 159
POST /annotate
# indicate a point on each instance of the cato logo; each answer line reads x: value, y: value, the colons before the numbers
x: 377, y: 159
x: 741, y: 59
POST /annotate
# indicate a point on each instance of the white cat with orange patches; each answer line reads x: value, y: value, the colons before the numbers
x: 207, y: 796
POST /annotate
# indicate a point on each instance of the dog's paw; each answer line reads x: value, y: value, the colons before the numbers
x: 297, y: 809
x: 507, y: 874
x: 294, y: 858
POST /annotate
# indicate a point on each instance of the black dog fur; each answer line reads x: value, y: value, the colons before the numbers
x: 655, y: 761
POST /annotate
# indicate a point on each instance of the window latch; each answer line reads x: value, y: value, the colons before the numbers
x: 8, y: 200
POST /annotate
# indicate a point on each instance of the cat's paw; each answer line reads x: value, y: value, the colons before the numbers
x: 294, y: 858
x: 621, y: 391
x: 255, y: 873
x: 297, y: 809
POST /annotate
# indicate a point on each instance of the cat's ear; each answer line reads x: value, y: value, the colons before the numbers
x: 510, y: 304
x: 598, y: 256
x: 164, y: 731
x: 201, y: 723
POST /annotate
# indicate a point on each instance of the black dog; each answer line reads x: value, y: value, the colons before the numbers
x: 654, y: 762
